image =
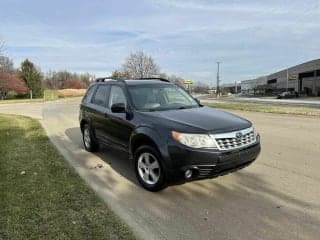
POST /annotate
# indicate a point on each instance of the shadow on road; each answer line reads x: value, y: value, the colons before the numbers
x: 242, y: 205
x: 117, y: 160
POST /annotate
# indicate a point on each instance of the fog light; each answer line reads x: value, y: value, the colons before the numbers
x: 188, y: 173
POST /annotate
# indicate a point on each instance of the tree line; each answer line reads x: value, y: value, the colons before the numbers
x: 29, y: 81
x: 19, y: 82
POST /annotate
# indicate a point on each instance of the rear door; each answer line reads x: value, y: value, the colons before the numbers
x: 85, y: 106
x: 99, y: 116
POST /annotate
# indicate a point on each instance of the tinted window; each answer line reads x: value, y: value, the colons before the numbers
x: 100, y: 97
x: 89, y: 94
x: 272, y: 81
x: 160, y: 97
x: 306, y: 74
x: 116, y: 96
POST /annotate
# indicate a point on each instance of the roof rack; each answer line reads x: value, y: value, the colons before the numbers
x: 104, y: 79
x: 153, y: 78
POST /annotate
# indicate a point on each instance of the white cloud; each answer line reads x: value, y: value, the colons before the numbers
x: 186, y: 37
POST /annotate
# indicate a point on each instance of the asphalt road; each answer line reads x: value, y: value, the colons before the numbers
x: 277, y: 197
x: 296, y: 102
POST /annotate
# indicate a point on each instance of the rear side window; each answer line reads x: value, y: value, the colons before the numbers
x: 89, y: 94
x: 101, y: 96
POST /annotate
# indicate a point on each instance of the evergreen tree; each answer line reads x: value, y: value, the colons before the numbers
x: 32, y: 78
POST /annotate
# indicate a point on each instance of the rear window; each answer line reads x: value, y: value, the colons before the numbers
x: 101, y: 95
x: 87, y: 97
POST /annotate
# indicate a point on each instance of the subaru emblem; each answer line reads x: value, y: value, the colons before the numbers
x: 238, y: 134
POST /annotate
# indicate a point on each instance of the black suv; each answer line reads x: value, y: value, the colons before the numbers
x: 169, y: 135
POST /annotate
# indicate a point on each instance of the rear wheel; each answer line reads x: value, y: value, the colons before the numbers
x: 148, y: 168
x: 88, y: 141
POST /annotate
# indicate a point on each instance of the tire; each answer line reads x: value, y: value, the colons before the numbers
x: 90, y: 144
x: 148, y: 168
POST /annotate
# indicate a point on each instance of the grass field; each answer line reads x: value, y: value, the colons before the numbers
x: 266, y: 108
x: 64, y: 93
x: 50, y: 95
x: 41, y: 197
x: 35, y: 100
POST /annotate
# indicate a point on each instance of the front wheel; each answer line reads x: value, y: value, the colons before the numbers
x: 148, y: 168
x: 88, y: 141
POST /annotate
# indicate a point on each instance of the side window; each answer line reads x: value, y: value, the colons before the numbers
x: 89, y: 94
x: 100, y: 97
x: 116, y: 96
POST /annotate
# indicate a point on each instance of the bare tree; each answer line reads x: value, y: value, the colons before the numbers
x: 118, y: 74
x: 173, y: 78
x: 1, y: 48
x: 66, y: 79
x: 140, y: 65
x: 6, y: 64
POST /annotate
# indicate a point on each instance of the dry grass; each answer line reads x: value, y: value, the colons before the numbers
x: 64, y: 93
x: 266, y: 108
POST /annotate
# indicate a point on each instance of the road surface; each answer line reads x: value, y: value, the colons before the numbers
x: 270, y: 101
x: 277, y: 197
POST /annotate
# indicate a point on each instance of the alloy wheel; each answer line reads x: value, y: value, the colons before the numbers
x: 148, y: 168
x: 87, y: 137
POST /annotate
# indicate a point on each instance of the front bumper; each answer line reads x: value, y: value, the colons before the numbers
x: 208, y: 163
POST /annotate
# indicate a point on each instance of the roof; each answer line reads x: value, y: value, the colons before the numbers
x: 134, y: 81
x: 144, y: 81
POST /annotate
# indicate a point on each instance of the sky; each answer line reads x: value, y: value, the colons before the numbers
x: 185, y: 37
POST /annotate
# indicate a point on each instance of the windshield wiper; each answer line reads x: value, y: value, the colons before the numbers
x: 185, y: 107
x: 153, y: 109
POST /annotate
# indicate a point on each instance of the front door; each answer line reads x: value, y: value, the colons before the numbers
x: 119, y: 126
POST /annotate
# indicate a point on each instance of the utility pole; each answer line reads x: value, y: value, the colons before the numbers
x: 287, y: 79
x: 218, y: 80
x: 236, y: 87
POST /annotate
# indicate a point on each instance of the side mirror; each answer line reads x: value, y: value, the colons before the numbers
x: 118, y: 108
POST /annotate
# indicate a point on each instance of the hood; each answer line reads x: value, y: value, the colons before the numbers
x: 202, y: 119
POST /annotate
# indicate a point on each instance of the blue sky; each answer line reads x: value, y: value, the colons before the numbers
x: 186, y: 37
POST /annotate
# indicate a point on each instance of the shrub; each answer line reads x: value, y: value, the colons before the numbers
x: 73, y: 84
x: 9, y: 83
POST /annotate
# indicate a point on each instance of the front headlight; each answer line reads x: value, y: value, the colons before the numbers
x: 194, y: 140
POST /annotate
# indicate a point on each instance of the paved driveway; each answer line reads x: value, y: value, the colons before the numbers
x: 278, y: 197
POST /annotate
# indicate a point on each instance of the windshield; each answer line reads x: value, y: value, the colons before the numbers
x: 159, y: 97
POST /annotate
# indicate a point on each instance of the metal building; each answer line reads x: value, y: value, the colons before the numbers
x: 303, y: 78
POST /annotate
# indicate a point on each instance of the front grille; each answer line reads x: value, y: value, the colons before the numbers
x: 233, y: 140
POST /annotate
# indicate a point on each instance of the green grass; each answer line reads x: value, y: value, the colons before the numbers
x: 50, y: 95
x: 310, y: 98
x: 266, y: 108
x: 41, y: 197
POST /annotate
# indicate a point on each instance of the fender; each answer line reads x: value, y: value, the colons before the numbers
x: 150, y: 134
